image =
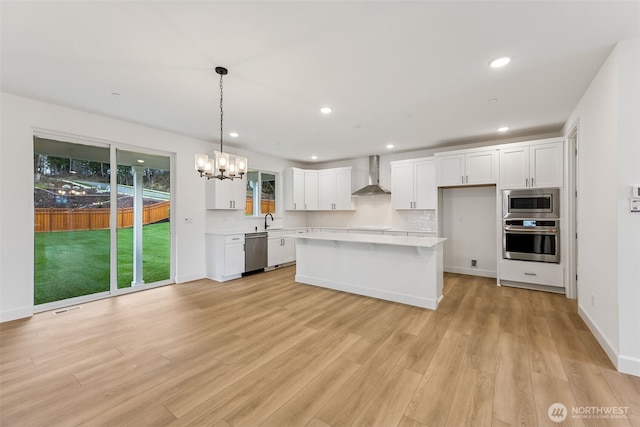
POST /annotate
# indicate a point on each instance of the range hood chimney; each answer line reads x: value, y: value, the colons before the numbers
x: 374, y: 188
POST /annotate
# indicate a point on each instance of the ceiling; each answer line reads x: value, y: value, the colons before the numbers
x: 413, y: 73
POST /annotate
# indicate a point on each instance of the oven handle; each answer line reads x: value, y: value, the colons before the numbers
x: 530, y: 230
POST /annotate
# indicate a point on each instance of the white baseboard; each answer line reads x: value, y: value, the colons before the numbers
x: 190, y: 277
x: 608, y: 348
x: 629, y: 365
x: 471, y: 271
x: 15, y: 314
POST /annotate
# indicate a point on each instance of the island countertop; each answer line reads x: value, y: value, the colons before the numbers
x: 418, y: 242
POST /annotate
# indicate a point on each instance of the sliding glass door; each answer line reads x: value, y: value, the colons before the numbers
x: 97, y: 233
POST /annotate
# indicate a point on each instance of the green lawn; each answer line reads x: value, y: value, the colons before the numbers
x: 74, y: 263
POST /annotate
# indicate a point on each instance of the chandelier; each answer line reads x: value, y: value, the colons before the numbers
x: 222, y: 165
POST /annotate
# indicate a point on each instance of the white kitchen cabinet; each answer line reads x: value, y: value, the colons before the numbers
x: 537, y: 165
x: 280, y: 248
x: 334, y: 189
x: 413, y: 184
x: 294, y: 189
x: 225, y: 194
x: 539, y: 273
x: 470, y: 167
x: 300, y: 189
x: 311, y: 190
x: 224, y: 256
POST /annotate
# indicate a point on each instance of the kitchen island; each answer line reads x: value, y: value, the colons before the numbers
x: 403, y: 269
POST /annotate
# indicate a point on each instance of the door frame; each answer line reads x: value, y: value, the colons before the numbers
x: 572, y: 209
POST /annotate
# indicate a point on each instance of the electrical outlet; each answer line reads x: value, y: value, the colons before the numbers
x: 474, y: 263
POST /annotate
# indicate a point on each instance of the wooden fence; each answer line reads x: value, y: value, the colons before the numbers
x: 51, y: 219
x: 265, y: 206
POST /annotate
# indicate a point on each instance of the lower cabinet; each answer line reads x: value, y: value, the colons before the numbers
x: 281, y: 248
x: 538, y: 273
x: 224, y: 256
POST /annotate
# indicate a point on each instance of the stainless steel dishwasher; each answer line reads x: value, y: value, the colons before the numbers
x: 255, y: 251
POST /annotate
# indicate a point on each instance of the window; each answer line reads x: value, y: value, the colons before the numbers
x: 261, y: 193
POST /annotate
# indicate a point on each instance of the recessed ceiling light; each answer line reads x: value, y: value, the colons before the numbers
x: 390, y: 146
x: 492, y: 100
x: 314, y: 157
x: 140, y: 161
x: 326, y: 110
x: 500, y: 62
x: 234, y: 134
x: 503, y: 128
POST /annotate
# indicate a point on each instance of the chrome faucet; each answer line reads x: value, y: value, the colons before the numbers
x: 265, y: 220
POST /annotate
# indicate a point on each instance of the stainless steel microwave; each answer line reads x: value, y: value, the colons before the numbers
x: 531, y: 203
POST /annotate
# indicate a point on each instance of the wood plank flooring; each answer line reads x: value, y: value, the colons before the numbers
x: 266, y: 351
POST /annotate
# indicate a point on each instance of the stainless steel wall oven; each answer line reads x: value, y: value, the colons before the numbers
x: 531, y: 224
x: 531, y: 240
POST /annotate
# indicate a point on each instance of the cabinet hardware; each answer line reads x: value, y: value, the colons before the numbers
x: 532, y: 184
x: 530, y: 274
x: 526, y: 182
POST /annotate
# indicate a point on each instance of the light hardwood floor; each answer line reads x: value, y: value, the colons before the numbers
x: 264, y: 350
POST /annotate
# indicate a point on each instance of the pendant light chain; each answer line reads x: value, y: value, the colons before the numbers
x: 221, y: 113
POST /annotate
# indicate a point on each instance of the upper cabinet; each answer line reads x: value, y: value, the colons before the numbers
x: 533, y: 165
x: 413, y: 184
x: 328, y: 189
x: 469, y: 167
x: 225, y: 194
x: 334, y: 189
x: 311, y: 190
x: 300, y: 190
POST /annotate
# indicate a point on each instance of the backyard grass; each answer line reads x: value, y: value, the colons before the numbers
x: 74, y: 263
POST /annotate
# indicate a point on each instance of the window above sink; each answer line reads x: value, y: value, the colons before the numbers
x: 261, y: 193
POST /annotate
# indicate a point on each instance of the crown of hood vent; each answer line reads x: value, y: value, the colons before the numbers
x: 374, y: 188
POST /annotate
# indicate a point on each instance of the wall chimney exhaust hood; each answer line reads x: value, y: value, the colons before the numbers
x: 374, y: 188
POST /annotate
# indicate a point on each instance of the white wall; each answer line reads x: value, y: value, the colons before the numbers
x: 20, y: 117
x: 469, y: 222
x: 609, y: 235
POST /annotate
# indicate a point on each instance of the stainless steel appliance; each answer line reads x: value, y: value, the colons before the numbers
x: 255, y: 251
x: 531, y: 203
x: 531, y: 240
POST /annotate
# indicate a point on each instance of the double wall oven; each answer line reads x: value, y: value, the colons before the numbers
x: 531, y: 225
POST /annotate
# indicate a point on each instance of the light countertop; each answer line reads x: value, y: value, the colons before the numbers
x: 420, y: 242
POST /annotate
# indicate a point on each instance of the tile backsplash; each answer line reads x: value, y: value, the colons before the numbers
x: 376, y: 211
x: 370, y: 211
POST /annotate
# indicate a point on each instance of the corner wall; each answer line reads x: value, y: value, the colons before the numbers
x: 608, y: 234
